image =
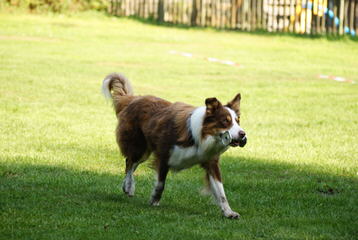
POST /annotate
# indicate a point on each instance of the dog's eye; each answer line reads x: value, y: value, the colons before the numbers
x: 225, y: 121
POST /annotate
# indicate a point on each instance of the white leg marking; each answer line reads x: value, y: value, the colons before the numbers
x: 129, y: 183
x: 158, y: 188
x: 218, y: 191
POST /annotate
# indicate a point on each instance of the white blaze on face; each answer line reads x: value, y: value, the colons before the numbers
x: 235, y: 128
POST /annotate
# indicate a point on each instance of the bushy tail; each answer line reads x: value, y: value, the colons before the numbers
x: 118, y: 88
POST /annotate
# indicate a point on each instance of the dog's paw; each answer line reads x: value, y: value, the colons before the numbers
x: 124, y: 187
x: 128, y: 188
x: 205, y: 191
x: 154, y: 203
x: 232, y: 215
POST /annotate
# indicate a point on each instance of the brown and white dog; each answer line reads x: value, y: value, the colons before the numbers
x: 179, y: 136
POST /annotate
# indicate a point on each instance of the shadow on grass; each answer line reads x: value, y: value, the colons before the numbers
x: 259, y: 32
x: 275, y: 201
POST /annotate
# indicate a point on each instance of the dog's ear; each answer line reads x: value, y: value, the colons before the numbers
x: 212, y: 105
x: 235, y: 104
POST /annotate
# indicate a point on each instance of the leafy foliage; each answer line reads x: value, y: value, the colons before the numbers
x: 59, y: 5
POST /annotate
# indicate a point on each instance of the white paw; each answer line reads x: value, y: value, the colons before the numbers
x: 231, y: 215
x: 154, y: 202
x: 128, y: 187
x: 205, y: 191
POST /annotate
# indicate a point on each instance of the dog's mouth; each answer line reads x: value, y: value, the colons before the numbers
x: 227, y: 140
x: 238, y: 142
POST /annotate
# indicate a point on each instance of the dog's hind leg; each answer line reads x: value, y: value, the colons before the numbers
x: 128, y: 185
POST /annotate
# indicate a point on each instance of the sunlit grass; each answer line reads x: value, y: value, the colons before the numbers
x: 60, y: 168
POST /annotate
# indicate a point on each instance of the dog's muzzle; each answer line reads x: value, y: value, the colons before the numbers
x: 227, y: 139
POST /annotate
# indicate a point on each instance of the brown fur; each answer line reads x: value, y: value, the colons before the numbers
x: 235, y: 104
x: 217, y: 118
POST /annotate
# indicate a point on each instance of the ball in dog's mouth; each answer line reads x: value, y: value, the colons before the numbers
x: 238, y: 142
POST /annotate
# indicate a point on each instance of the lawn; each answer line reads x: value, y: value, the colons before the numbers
x: 60, y: 168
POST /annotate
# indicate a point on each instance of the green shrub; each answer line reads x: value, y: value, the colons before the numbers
x: 59, y: 5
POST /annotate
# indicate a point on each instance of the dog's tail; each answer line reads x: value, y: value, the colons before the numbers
x: 118, y: 88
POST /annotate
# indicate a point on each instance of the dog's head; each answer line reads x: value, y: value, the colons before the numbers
x: 220, y: 120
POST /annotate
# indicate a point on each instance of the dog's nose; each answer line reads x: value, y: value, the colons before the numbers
x: 242, y: 134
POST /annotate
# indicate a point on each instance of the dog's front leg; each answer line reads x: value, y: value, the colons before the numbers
x: 159, y: 185
x: 214, y: 180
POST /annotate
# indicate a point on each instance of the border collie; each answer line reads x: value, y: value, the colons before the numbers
x: 179, y: 136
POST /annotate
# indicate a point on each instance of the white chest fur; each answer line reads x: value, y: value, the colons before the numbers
x: 182, y: 158
x: 203, y: 149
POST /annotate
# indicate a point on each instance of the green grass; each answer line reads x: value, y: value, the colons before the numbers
x: 60, y: 169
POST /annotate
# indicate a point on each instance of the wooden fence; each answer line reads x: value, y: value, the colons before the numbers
x: 299, y: 16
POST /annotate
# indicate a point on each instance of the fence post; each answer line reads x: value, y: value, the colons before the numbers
x: 233, y: 14
x: 356, y: 17
x: 341, y: 17
x: 161, y: 10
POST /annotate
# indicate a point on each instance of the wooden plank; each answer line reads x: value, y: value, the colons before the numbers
x: 317, y: 17
x: 220, y: 14
x: 135, y: 9
x: 296, y: 24
x: 309, y: 17
x: 142, y: 8
x: 346, y: 15
x: 274, y: 16
x: 194, y: 13
x: 228, y: 14
x: 258, y: 14
x: 161, y: 10
x: 335, y: 10
x: 264, y: 14
x: 233, y: 13
x: 305, y: 17
x: 238, y: 14
x: 114, y: 5
x: 223, y: 8
x: 253, y: 14
x: 341, y: 17
x: 172, y: 11
x: 150, y: 8
x: 127, y: 8
x: 247, y: 14
x: 281, y: 15
x: 210, y: 13
x: 202, y: 13
x: 292, y: 15
x: 176, y: 11
x: 356, y: 16
x: 243, y: 22
x: 284, y: 18
x: 182, y: 12
x: 324, y: 25
x: 351, y: 15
